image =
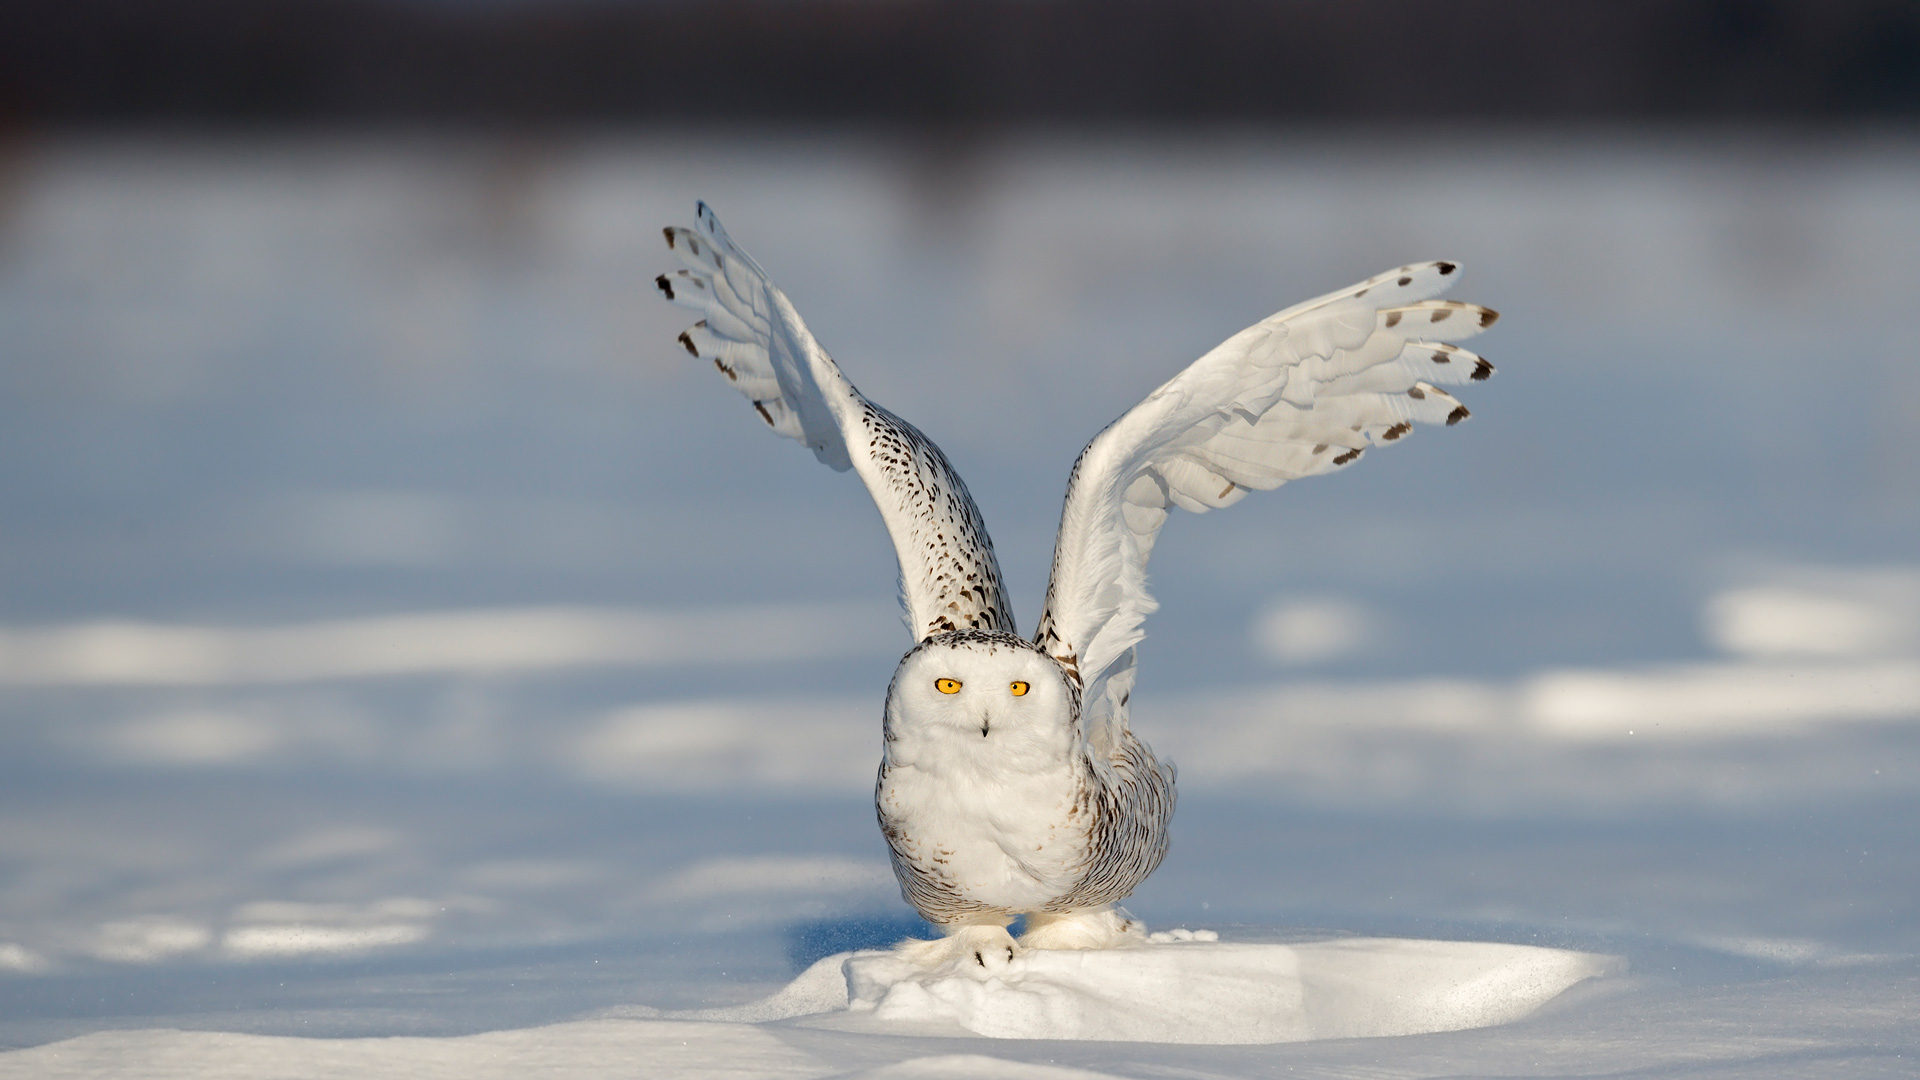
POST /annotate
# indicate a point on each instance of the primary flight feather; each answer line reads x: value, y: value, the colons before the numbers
x: 1011, y: 783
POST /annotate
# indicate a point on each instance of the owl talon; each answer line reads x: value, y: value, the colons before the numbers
x: 1088, y: 928
x: 980, y: 957
x: 980, y: 950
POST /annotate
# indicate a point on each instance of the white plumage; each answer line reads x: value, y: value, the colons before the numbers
x: 1011, y: 782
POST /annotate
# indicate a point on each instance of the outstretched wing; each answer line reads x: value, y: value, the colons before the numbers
x: 1303, y: 392
x: 949, y: 579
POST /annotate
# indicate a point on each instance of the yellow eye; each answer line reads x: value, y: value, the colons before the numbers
x: 1020, y: 689
x: 947, y: 686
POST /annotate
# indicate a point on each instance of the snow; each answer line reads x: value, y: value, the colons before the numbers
x: 1199, y: 992
x: 1196, y: 991
x: 414, y: 643
x: 412, y: 667
x: 1826, y: 1027
x: 666, y: 1050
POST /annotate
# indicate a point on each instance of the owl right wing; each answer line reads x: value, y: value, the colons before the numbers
x: 1303, y: 392
x: 949, y: 579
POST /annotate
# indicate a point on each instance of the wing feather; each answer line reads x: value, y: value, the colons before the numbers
x: 1304, y: 392
x: 750, y: 333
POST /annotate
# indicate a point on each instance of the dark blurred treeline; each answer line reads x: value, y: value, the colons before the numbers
x: 977, y: 62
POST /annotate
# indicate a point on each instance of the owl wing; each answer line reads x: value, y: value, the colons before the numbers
x: 949, y: 579
x: 1303, y: 392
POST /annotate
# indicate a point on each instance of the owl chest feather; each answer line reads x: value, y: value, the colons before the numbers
x: 986, y: 828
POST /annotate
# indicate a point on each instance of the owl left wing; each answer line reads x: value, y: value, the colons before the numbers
x: 1303, y: 392
x: 949, y: 578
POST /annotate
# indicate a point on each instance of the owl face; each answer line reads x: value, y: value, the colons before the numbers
x: 982, y: 696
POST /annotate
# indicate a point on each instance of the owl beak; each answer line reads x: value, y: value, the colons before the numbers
x: 985, y: 721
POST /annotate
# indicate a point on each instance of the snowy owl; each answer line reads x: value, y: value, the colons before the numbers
x: 1010, y: 781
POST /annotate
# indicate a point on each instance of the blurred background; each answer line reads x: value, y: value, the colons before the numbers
x: 398, y: 633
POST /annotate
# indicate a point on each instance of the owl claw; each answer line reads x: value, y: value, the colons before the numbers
x: 980, y: 950
x: 1088, y: 928
x: 980, y: 956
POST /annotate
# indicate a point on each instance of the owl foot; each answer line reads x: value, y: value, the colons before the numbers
x: 1089, y: 928
x: 973, y: 950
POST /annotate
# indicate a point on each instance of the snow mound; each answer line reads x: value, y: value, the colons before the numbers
x: 1183, y: 990
x: 1190, y: 991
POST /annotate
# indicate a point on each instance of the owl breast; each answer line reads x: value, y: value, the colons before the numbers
x: 974, y: 845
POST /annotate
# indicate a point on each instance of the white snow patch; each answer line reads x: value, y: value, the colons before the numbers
x: 140, y: 941
x: 194, y: 737
x: 1817, y: 612
x: 17, y: 957
x: 235, y: 734
x: 1734, y: 734
x: 707, y: 745
x: 1167, y: 937
x: 1717, y: 700
x: 295, y: 939
x: 289, y: 928
x: 480, y: 641
x: 1314, y: 630
x: 1194, y: 992
x: 406, y: 907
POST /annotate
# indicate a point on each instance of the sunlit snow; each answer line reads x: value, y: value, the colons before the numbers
x: 411, y: 666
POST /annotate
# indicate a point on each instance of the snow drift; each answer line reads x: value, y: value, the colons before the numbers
x: 1187, y: 991
x: 1184, y: 991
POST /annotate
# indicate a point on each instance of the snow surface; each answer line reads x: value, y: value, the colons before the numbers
x: 367, y: 536
x: 1200, y: 992
x: 1191, y: 992
x: 1824, y: 1027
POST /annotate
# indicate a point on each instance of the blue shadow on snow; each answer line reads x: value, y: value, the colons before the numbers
x: 809, y: 941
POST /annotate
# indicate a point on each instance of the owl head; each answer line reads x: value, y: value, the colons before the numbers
x: 983, y: 695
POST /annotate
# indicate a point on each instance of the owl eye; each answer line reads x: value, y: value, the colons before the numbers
x: 947, y: 686
x: 1020, y: 689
